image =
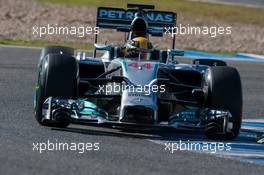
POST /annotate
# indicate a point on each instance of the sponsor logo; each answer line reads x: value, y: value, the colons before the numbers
x: 137, y: 65
x: 151, y: 16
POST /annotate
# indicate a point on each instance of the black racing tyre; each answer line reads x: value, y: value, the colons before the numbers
x: 56, y: 50
x: 57, y: 78
x: 209, y: 62
x: 225, y: 92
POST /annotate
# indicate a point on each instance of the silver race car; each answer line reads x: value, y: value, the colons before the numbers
x: 136, y: 85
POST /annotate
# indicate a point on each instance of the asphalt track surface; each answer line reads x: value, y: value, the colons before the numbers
x: 120, y: 152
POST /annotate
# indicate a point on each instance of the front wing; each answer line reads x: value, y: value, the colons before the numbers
x: 82, y: 111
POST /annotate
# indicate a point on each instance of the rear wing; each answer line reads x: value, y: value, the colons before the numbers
x: 120, y: 19
x: 117, y: 18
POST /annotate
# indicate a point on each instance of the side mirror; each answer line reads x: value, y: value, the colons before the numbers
x: 103, y: 47
x: 173, y: 52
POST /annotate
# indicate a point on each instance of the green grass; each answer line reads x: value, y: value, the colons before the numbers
x: 205, y: 11
x: 42, y: 43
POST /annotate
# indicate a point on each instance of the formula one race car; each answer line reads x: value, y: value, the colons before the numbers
x: 137, y: 85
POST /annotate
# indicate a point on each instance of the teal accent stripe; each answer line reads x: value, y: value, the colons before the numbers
x: 155, y: 71
x: 123, y: 64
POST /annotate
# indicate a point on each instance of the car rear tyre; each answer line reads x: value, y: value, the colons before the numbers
x: 209, y: 62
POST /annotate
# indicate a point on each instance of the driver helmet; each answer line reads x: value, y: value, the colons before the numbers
x: 134, y: 45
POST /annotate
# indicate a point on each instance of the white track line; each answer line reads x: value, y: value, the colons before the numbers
x: 248, y: 151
